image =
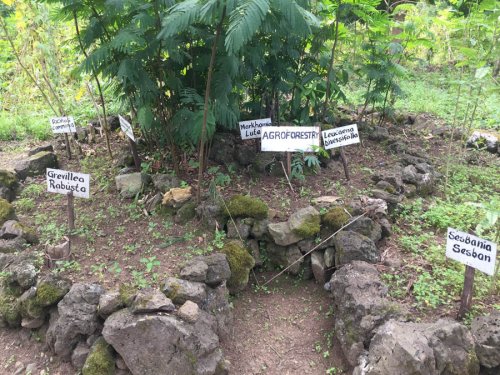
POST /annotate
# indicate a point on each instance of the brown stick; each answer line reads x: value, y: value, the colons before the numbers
x: 71, y: 211
x: 68, y: 149
x: 286, y: 175
x: 137, y: 159
x: 466, y: 299
x: 344, y: 164
x: 289, y: 163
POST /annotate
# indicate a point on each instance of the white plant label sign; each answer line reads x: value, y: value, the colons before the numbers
x: 290, y: 138
x: 126, y: 128
x: 63, y: 182
x: 252, y: 129
x: 62, y: 125
x: 338, y: 137
x: 471, y: 250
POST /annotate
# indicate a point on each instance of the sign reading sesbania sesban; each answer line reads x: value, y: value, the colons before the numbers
x: 471, y: 250
x: 289, y: 138
x: 343, y: 136
x: 251, y: 129
x: 63, y: 182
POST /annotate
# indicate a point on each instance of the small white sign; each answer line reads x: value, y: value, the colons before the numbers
x: 251, y: 129
x: 62, y: 125
x: 290, y: 138
x: 471, y: 250
x: 63, y: 182
x: 126, y: 128
x: 343, y: 136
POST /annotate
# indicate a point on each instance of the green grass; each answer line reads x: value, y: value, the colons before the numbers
x: 436, y: 93
x: 20, y: 127
x: 435, y: 280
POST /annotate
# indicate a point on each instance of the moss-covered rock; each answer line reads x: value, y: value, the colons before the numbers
x: 336, y: 218
x: 14, y: 229
x: 6, y: 211
x: 8, y: 179
x: 240, y: 263
x: 127, y: 294
x: 49, y: 291
x: 246, y: 206
x: 100, y: 360
x: 305, y: 222
x: 186, y: 213
x: 9, y: 310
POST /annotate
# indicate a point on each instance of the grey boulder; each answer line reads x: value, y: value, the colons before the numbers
x: 164, y: 344
x: 360, y: 305
x: 441, y: 348
x: 486, y: 332
x: 179, y: 291
x: 75, y: 320
x: 129, y: 185
x: 352, y: 246
x: 36, y: 165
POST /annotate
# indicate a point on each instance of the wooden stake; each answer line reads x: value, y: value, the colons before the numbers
x: 289, y: 163
x: 467, y: 292
x: 344, y: 163
x: 68, y: 149
x: 137, y: 160
x: 71, y: 211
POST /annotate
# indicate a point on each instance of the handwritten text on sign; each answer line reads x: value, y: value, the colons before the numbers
x: 289, y: 138
x: 251, y: 129
x: 471, y: 250
x: 62, y: 125
x: 126, y: 128
x: 343, y: 136
x: 63, y: 182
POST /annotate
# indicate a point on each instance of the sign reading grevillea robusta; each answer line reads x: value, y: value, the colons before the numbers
x: 64, y: 182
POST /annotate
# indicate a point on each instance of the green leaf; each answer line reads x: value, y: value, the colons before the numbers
x: 145, y: 117
x: 244, y: 22
x: 482, y: 72
x: 179, y: 17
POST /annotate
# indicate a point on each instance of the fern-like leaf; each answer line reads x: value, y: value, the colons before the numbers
x: 179, y: 18
x: 244, y: 22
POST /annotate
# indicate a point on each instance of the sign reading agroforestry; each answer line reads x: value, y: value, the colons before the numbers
x: 471, y: 250
x: 64, y: 182
x: 62, y: 125
x: 289, y: 138
x: 343, y: 136
x: 251, y: 129
x: 126, y: 128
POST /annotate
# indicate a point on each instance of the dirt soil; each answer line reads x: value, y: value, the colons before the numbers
x: 285, y: 328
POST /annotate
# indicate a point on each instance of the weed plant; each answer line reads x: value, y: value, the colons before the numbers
x: 433, y: 280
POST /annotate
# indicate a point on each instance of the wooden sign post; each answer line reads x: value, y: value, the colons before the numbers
x: 63, y: 125
x: 129, y: 132
x: 475, y: 253
x: 71, y: 184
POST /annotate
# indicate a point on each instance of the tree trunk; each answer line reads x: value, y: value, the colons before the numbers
x: 201, y: 157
